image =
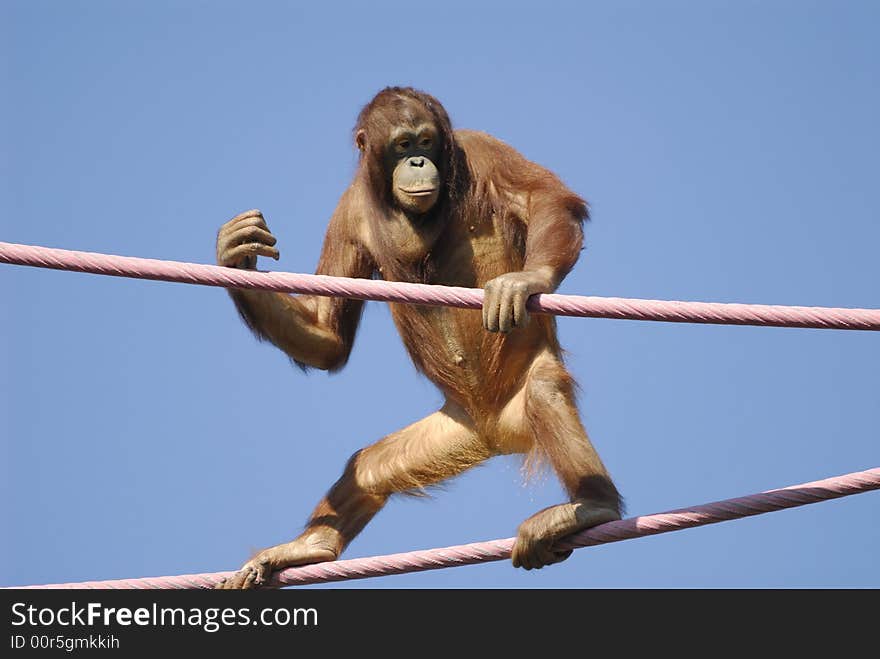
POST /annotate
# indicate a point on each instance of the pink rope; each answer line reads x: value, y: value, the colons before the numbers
x: 567, y: 305
x: 497, y: 550
x: 467, y: 298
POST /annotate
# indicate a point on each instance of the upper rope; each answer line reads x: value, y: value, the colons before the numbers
x: 467, y: 298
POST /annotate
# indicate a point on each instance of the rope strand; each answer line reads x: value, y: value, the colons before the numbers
x: 497, y: 550
x: 467, y: 298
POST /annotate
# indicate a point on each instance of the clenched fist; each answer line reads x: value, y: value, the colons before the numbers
x: 242, y: 239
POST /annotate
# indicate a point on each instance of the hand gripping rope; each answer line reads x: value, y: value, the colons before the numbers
x: 566, y: 305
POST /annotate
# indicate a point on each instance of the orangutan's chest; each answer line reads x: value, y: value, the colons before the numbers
x: 410, y: 243
x: 473, y: 253
x: 462, y: 253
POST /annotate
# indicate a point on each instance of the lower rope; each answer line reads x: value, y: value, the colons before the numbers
x: 497, y: 550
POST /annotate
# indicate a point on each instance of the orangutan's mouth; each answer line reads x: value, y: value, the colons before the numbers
x: 419, y: 192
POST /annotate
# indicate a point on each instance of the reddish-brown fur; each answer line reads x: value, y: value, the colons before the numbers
x: 501, y: 222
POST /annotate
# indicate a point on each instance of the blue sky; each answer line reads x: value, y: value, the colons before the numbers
x: 729, y: 151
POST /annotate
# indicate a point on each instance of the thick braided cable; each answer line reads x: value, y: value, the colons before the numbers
x: 467, y: 298
x: 496, y: 550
